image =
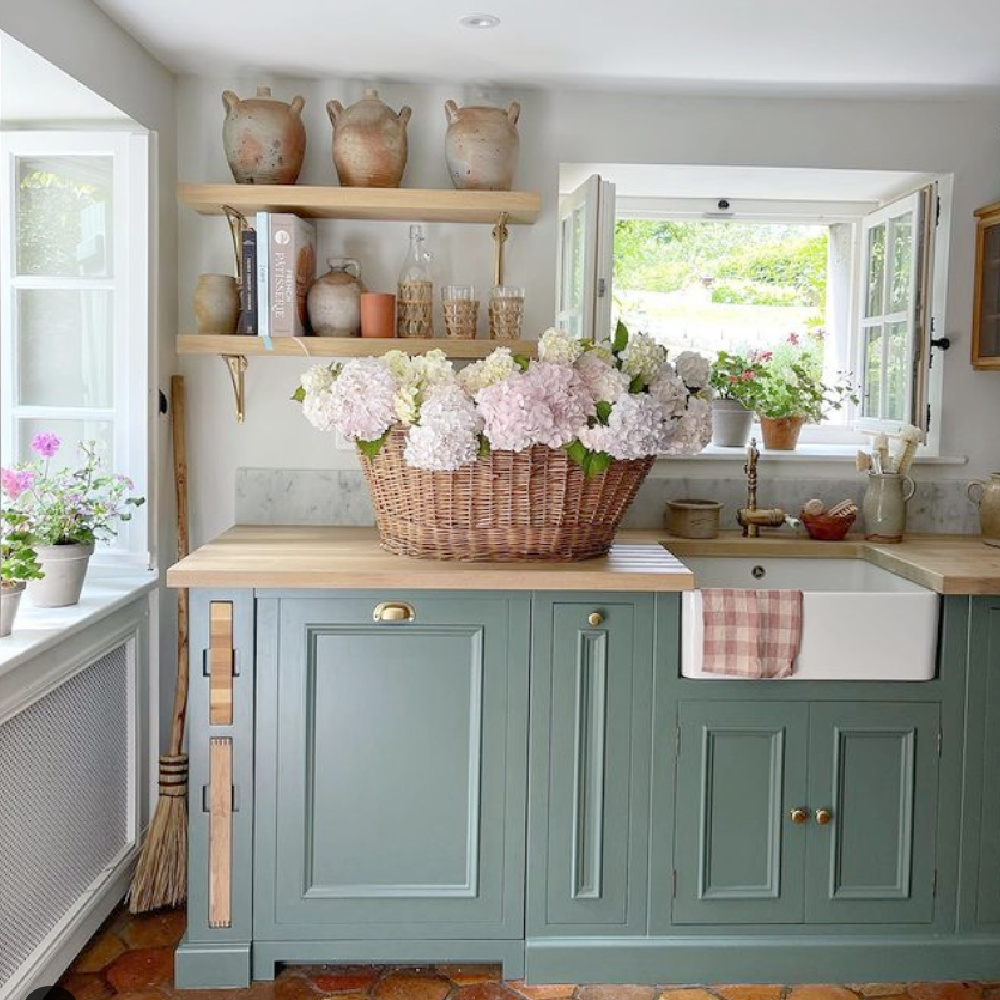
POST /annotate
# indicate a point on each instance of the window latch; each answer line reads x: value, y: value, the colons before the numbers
x: 941, y: 343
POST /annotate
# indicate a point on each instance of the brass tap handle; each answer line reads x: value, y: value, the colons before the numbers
x: 823, y: 816
x: 595, y: 618
x: 799, y: 815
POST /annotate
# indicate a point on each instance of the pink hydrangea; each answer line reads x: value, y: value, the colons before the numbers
x: 360, y: 403
x: 548, y: 404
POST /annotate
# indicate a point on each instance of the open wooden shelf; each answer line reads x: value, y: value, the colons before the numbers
x: 399, y: 204
x: 343, y: 347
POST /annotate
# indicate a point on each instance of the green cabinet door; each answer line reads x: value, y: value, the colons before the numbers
x: 741, y: 770
x: 873, y: 792
x: 391, y: 768
x: 590, y: 737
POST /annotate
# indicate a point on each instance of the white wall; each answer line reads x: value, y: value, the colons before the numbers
x: 958, y: 137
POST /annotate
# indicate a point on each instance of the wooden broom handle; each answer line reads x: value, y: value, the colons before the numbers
x: 177, y: 410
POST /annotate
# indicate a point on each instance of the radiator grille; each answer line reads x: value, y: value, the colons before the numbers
x: 64, y: 801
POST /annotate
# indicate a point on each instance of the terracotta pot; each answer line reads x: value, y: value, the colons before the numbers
x: 334, y: 300
x: 781, y: 433
x: 264, y: 138
x: 369, y: 142
x: 481, y: 146
x: 378, y: 314
x: 988, y: 502
x: 10, y: 601
x: 65, y: 567
x: 217, y: 304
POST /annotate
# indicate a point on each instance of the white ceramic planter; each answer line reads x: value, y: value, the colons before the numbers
x: 731, y: 423
x: 65, y: 567
x: 10, y: 600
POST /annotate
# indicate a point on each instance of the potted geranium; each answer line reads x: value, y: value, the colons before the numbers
x: 734, y: 384
x: 18, y: 562
x: 791, y: 392
x: 66, y: 511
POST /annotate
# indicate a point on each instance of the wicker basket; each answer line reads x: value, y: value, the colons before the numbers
x: 507, y: 507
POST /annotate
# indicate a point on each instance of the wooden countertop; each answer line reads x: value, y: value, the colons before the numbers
x: 350, y: 558
x: 651, y: 560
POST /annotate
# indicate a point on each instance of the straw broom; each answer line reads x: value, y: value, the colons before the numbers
x: 161, y: 874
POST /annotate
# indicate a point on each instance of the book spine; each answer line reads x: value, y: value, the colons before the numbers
x: 263, y: 276
x: 248, y: 288
x: 281, y: 274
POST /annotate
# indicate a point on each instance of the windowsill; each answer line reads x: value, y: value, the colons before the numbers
x: 807, y: 452
x: 106, y: 590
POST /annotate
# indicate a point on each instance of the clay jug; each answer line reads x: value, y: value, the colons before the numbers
x: 988, y: 502
x: 369, y: 142
x: 264, y: 138
x: 481, y: 146
x: 334, y: 301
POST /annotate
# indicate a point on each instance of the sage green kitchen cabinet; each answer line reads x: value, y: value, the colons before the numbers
x: 592, y: 666
x: 821, y: 812
x: 391, y: 763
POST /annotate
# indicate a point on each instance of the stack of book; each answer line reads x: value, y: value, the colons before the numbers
x: 278, y: 264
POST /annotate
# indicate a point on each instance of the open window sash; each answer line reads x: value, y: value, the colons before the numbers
x: 585, y: 259
x: 894, y: 313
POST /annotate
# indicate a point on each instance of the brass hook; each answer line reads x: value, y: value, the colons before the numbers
x: 236, y: 364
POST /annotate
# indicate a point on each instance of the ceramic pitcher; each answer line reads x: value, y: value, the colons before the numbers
x: 264, y: 138
x: 986, y: 496
x: 884, y: 506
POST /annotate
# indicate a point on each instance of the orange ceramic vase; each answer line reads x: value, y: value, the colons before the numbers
x: 781, y: 433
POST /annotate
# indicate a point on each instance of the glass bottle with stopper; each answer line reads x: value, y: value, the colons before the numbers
x: 415, y: 297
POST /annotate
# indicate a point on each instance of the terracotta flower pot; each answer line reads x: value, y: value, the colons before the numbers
x: 781, y: 433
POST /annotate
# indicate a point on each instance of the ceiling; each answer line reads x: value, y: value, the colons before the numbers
x: 33, y: 90
x: 822, y: 46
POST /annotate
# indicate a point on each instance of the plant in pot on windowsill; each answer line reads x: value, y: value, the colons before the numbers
x: 734, y: 382
x: 66, y: 511
x: 18, y: 561
x: 791, y: 392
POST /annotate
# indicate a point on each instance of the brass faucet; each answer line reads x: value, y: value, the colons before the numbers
x: 750, y: 519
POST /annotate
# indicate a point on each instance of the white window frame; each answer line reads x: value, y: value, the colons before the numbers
x: 130, y: 285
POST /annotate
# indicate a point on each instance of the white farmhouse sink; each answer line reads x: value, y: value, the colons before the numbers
x: 859, y: 622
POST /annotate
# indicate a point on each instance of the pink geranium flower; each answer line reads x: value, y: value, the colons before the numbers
x: 793, y: 339
x: 45, y: 444
x: 16, y: 481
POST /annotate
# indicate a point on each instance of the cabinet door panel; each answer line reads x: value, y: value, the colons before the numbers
x: 984, y: 657
x: 741, y: 769
x: 874, y: 768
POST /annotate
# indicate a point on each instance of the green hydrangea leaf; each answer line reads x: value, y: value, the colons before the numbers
x: 603, y: 411
x: 372, y: 448
x: 299, y: 395
x: 621, y: 337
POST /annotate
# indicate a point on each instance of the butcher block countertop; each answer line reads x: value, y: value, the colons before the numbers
x: 650, y: 560
x: 351, y: 559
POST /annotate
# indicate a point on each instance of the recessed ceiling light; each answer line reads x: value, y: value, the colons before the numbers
x: 479, y: 21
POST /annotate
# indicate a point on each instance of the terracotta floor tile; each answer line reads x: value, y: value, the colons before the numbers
x: 878, y: 989
x: 821, y: 991
x: 468, y: 975
x: 485, y: 991
x: 543, y: 991
x: 86, y: 985
x: 342, y: 978
x: 101, y: 952
x: 138, y: 971
x: 146, y: 995
x: 600, y: 991
x: 292, y: 985
x: 152, y: 930
x: 734, y: 991
x: 411, y: 985
x: 691, y: 993
x: 945, y: 991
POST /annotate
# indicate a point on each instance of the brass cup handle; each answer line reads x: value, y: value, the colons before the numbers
x: 823, y: 817
x: 394, y: 611
x: 799, y: 815
x: 595, y: 618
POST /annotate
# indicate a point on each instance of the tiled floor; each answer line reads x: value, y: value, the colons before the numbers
x: 131, y: 958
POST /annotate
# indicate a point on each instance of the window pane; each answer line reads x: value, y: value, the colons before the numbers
x: 70, y: 433
x: 64, y: 348
x: 578, y: 278
x: 64, y: 216
x: 871, y: 402
x: 876, y: 270
x: 902, y: 262
x: 897, y: 370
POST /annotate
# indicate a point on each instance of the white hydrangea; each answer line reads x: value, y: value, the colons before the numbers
x: 635, y: 429
x: 446, y: 437
x: 358, y: 403
x: 669, y: 391
x: 415, y: 376
x: 642, y: 357
x: 602, y: 379
x: 692, y: 432
x: 494, y: 368
x: 317, y: 379
x: 693, y: 369
x: 558, y: 346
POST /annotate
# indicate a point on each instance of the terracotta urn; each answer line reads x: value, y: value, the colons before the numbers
x: 481, y: 146
x: 781, y: 433
x: 335, y: 300
x: 216, y: 304
x: 369, y: 142
x: 264, y: 138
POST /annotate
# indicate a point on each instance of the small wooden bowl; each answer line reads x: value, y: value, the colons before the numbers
x: 827, y: 527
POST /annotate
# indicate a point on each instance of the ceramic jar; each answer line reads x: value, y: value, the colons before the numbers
x: 334, y: 301
x: 216, y: 304
x: 264, y: 138
x: 481, y: 146
x: 65, y: 567
x: 986, y: 496
x: 369, y: 142
x: 884, y: 506
x: 731, y: 423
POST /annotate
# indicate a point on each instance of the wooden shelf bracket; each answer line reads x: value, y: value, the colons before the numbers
x: 236, y: 365
x: 499, y: 239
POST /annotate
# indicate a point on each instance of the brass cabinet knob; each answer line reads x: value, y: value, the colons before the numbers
x: 595, y: 618
x: 799, y: 815
x: 823, y: 816
x: 393, y: 611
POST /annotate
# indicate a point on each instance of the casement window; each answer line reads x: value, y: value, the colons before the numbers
x: 74, y: 302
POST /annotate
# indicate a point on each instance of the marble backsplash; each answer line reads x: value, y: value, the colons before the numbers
x: 340, y: 497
